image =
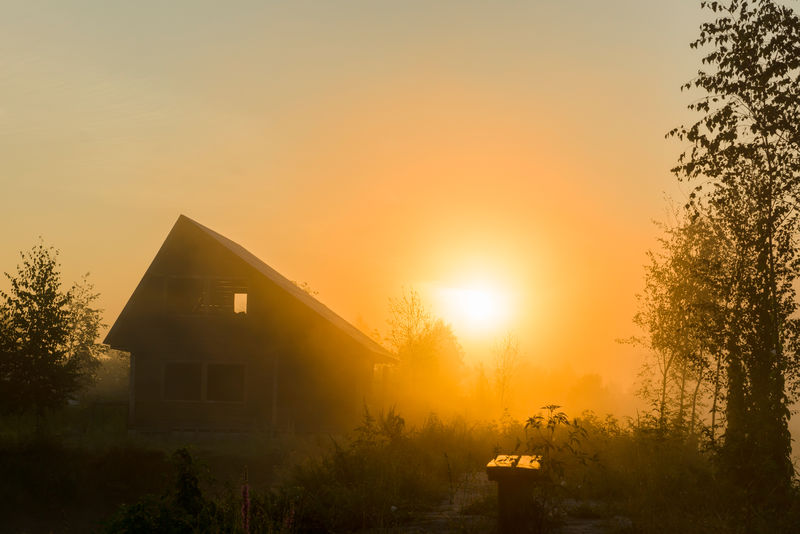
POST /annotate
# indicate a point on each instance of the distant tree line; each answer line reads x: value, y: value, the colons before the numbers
x: 719, y: 308
x: 431, y: 374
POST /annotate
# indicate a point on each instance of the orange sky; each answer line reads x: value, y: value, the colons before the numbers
x: 358, y: 146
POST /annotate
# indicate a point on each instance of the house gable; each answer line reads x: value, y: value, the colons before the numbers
x: 285, y: 361
x: 197, y: 270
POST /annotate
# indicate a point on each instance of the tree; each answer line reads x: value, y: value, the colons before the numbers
x: 430, y: 356
x: 409, y: 319
x: 680, y: 316
x: 745, y: 163
x: 506, y: 363
x: 424, y: 345
x: 83, y: 328
x: 47, y: 340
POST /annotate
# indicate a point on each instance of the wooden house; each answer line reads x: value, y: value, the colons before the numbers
x: 221, y: 341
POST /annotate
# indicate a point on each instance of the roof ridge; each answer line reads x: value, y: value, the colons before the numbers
x: 290, y: 287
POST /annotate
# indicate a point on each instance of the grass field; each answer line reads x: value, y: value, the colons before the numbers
x: 85, y: 473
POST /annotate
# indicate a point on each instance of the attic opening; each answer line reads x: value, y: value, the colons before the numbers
x: 240, y: 303
x: 191, y: 295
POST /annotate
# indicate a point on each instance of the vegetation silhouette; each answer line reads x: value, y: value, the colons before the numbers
x: 430, y: 366
x: 738, y: 254
x: 711, y: 452
x: 506, y: 359
x: 48, y: 350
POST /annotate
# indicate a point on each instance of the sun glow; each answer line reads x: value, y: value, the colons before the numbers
x: 474, y: 309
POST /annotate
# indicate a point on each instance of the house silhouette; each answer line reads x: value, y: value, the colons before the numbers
x: 218, y: 340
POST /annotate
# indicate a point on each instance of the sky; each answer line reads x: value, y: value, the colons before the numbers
x: 360, y: 147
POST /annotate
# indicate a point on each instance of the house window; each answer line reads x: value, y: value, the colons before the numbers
x: 240, y: 303
x: 183, y: 381
x: 225, y: 382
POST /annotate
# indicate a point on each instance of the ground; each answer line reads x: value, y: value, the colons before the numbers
x: 462, y: 514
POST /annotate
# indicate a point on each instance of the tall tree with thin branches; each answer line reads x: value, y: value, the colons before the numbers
x: 506, y: 360
x: 744, y: 162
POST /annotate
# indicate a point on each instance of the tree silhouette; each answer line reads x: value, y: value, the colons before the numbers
x: 744, y: 161
x: 409, y: 320
x: 47, y: 336
x: 431, y: 360
x: 506, y: 360
x: 681, y: 314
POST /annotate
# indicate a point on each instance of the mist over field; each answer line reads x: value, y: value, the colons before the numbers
x: 399, y: 267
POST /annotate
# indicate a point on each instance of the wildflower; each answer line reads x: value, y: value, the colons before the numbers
x: 245, y: 504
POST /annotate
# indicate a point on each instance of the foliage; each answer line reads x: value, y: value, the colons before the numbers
x: 409, y: 320
x: 545, y: 444
x: 83, y: 328
x: 638, y: 477
x: 49, y: 486
x: 377, y: 480
x: 430, y: 357
x: 111, y: 378
x: 387, y: 475
x: 383, y: 476
x: 181, y: 509
x: 745, y: 163
x: 559, y: 443
x: 681, y: 313
x: 47, y: 336
x: 424, y: 344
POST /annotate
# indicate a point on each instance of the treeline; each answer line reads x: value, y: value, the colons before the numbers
x: 433, y: 374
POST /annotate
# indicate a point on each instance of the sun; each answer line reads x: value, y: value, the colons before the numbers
x: 474, y: 309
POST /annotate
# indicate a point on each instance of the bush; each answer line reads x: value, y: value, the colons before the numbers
x: 182, y: 509
x: 387, y: 476
x: 52, y: 487
x: 379, y: 479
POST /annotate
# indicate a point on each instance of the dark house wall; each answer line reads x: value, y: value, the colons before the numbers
x: 196, y: 364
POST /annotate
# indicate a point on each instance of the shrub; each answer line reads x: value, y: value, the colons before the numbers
x: 182, y: 509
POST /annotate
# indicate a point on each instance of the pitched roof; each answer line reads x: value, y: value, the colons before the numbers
x: 291, y: 288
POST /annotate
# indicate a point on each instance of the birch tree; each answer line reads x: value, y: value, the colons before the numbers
x: 744, y: 163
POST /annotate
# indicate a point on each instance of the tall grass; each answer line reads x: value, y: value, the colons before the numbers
x: 384, y: 475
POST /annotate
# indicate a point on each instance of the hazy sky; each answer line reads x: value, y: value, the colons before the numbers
x: 358, y: 146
